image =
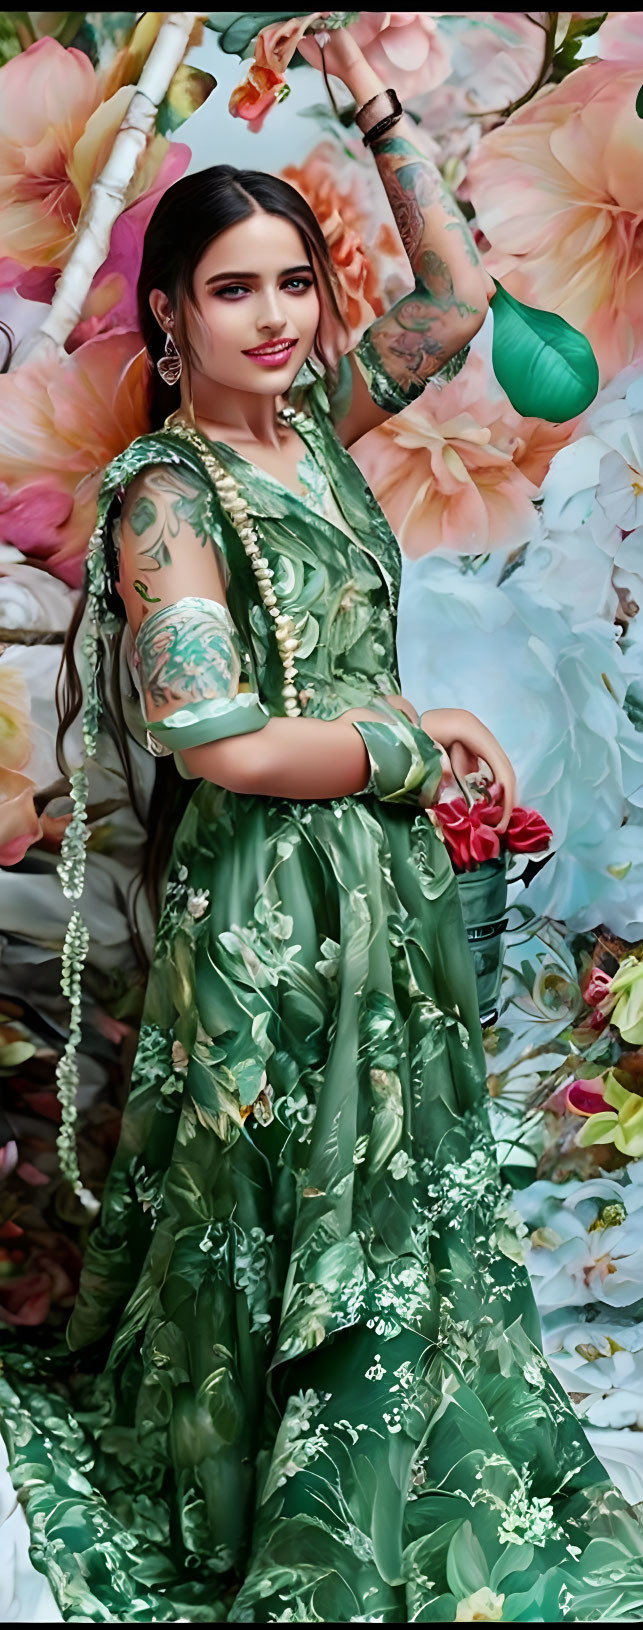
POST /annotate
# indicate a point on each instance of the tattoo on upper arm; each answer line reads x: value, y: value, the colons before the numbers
x: 188, y: 656
x: 157, y: 515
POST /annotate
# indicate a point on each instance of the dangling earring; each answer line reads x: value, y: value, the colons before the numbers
x: 170, y: 364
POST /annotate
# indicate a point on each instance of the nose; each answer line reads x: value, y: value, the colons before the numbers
x: 271, y: 317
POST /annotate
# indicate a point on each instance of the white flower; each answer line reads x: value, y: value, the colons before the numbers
x: 198, y: 902
x: 525, y: 1521
x: 402, y: 1166
x: 262, y: 1107
x: 586, y: 1241
x: 180, y: 1058
x: 551, y: 620
x: 482, y: 1605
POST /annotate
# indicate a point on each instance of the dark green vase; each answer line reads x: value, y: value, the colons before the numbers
x: 483, y: 897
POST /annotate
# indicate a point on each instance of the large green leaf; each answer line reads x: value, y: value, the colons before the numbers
x: 547, y: 368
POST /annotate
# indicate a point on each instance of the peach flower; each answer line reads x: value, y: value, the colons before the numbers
x: 55, y: 135
x: 558, y: 192
x: 58, y: 120
x: 61, y: 422
x: 451, y: 470
x: 360, y: 248
x: 404, y: 47
x: 15, y: 713
x: 275, y: 47
x: 19, y: 823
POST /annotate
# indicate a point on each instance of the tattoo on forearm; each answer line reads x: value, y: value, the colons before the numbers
x: 188, y: 653
x: 417, y: 335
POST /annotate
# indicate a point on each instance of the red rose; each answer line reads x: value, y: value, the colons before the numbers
x: 527, y: 831
x: 598, y: 987
x: 469, y: 833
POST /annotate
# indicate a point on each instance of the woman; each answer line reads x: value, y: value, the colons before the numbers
x: 308, y: 1383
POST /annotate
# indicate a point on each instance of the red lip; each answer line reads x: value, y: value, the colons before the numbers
x: 270, y: 350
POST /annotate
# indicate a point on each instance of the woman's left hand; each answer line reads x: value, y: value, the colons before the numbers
x: 467, y: 740
x: 341, y: 52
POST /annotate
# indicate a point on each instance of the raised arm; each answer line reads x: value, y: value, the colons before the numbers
x: 429, y: 328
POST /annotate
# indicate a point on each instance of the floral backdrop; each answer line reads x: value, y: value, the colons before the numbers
x: 522, y: 545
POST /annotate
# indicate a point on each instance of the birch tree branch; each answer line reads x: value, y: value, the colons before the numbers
x: 108, y: 193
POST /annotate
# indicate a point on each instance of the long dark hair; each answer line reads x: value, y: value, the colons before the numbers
x: 189, y: 216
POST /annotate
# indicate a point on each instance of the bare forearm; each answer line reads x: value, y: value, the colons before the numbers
x: 452, y: 290
x: 289, y: 758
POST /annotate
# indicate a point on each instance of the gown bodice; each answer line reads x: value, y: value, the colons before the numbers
x: 336, y: 565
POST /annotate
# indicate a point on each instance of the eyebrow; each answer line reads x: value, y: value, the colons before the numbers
x: 252, y: 277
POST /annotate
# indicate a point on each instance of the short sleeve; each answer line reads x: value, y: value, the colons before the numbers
x: 190, y: 654
x: 195, y: 679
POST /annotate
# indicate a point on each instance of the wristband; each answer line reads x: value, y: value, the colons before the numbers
x: 379, y: 115
x: 406, y: 764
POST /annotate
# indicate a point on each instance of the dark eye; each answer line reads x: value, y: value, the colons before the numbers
x: 232, y: 290
x: 299, y: 284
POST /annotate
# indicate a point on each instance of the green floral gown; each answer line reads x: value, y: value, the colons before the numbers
x: 307, y: 1381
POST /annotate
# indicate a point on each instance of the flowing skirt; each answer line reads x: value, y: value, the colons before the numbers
x: 303, y: 1378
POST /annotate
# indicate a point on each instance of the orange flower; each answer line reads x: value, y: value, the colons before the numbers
x: 61, y: 422
x: 256, y: 95
x: 275, y: 47
x: 558, y: 193
x: 360, y: 249
x: 451, y: 471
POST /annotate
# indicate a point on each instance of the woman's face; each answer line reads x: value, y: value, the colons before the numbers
x: 255, y: 293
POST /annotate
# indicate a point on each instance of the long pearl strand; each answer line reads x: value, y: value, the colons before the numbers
x: 236, y: 508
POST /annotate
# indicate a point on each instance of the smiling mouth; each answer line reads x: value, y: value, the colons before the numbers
x: 276, y: 348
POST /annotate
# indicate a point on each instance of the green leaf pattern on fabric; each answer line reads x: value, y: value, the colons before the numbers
x: 307, y: 1383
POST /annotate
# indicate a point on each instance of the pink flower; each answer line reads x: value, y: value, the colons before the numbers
x: 8, y: 1158
x: 527, y: 832
x: 456, y: 470
x: 61, y: 422
x: 585, y: 1097
x: 558, y: 192
x: 58, y: 121
x: 404, y: 47
x: 469, y: 832
x: 621, y: 37
x: 598, y: 987
x: 19, y: 823
x: 111, y: 302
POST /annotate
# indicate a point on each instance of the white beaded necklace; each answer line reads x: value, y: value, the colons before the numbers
x: 236, y: 508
